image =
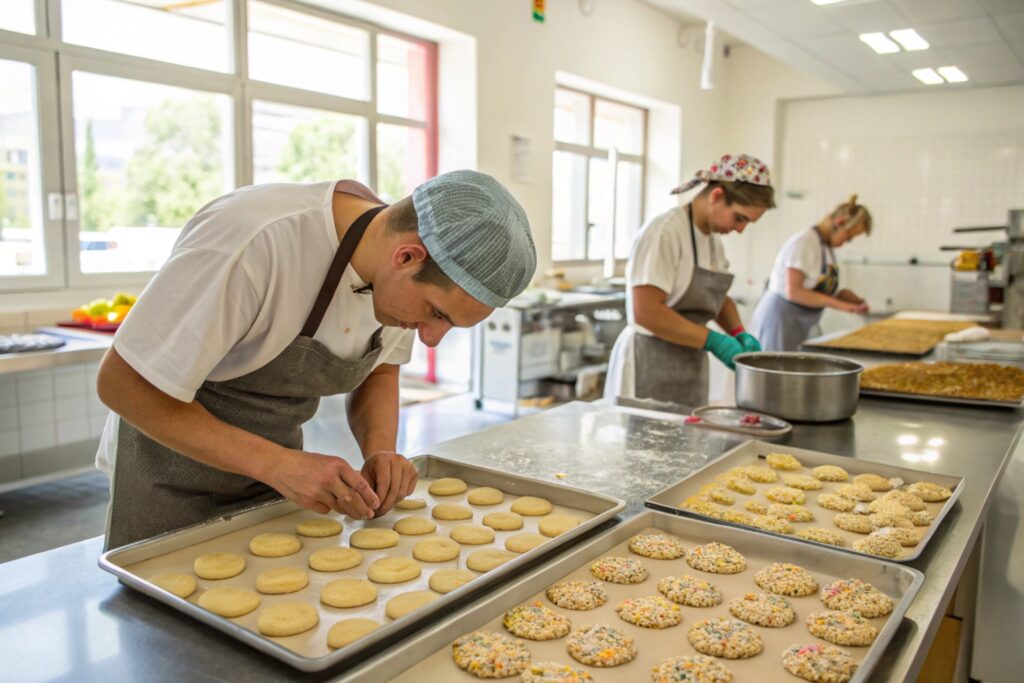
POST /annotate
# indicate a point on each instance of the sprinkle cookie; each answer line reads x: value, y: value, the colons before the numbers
x: 907, y: 538
x: 880, y: 520
x: 858, y: 596
x: 486, y: 654
x: 786, y: 495
x: 601, y: 645
x: 830, y: 473
x: 889, y: 505
x: 841, y: 628
x: 875, y: 482
x: 740, y: 484
x: 786, y: 579
x: 833, y: 501
x: 929, y: 492
x: 879, y: 546
x: 819, y: 663
x: 716, y: 558
x: 768, y: 523
x: 553, y: 672
x: 536, y: 622
x: 717, y: 494
x: 906, y: 499
x: 652, y: 611
x: 755, y: 506
x: 691, y: 669
x: 802, y: 481
x: 578, y: 595
x: 763, y: 609
x: 922, y: 518
x: 657, y: 546
x: 763, y: 475
x: 615, y: 569
x: 791, y: 513
x: 856, y: 492
x: 821, y: 535
x: 690, y: 591
x: 858, y: 524
x: 722, y: 637
x: 783, y: 461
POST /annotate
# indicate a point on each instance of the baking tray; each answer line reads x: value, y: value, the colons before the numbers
x: 821, y: 343
x: 930, y: 398
x: 427, y: 655
x: 174, y: 551
x: 753, y: 452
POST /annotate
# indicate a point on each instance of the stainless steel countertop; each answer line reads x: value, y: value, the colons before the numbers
x: 81, y: 346
x: 64, y: 618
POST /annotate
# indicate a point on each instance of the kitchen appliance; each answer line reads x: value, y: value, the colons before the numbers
x: 798, y: 386
x: 990, y: 279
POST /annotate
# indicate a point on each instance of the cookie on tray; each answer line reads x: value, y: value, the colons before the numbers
x: 830, y: 473
x: 786, y: 579
x: 536, y: 622
x: 922, y: 518
x: 716, y: 494
x: 858, y: 596
x: 912, y: 502
x: 755, y: 506
x: 833, y: 501
x: 804, y: 482
x: 623, y: 570
x: 889, y: 505
x: 760, y: 474
x: 723, y: 637
x: 875, y: 482
x: 768, y: 523
x: 821, y: 535
x: 856, y: 492
x: 763, y: 609
x: 819, y: 663
x: 879, y: 546
x: 841, y: 628
x: 650, y: 611
x: 600, y: 645
x: 786, y: 495
x: 717, y: 558
x: 691, y: 669
x: 555, y: 672
x: 739, y: 484
x: 691, y: 591
x: 929, y: 492
x: 578, y: 595
x: 907, y: 538
x: 487, y: 654
x: 858, y: 524
x: 880, y: 520
x: 791, y: 513
x: 782, y: 461
x: 736, y: 517
x: 656, y: 546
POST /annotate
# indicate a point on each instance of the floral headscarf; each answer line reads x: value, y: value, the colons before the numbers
x: 738, y: 168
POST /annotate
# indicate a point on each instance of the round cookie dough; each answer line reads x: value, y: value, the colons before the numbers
x: 858, y: 524
x: 819, y: 663
x: 755, y: 506
x: 486, y: 559
x: 503, y: 521
x: 436, y: 549
x: 348, y: 593
x: 858, y: 596
x: 402, y: 604
x: 691, y: 669
x: 716, y: 558
x: 881, y: 520
x: 875, y: 482
x: 717, y: 494
x: 229, y: 602
x: 817, y: 533
x: 335, y: 559
x: 274, y: 545
x: 739, y: 484
x: 415, y: 526
x: 181, y: 585
x: 652, y: 611
x: 830, y: 473
x: 471, y: 534
x: 447, y: 580
x: 393, y: 570
x: 841, y: 628
x: 786, y: 495
x: 763, y: 609
x: 278, y: 580
x: 856, y: 492
x: 555, y: 672
x: 451, y: 511
x: 486, y: 654
x: 782, y: 461
x: 536, y: 622
x: 374, y: 539
x: 485, y: 495
x: 320, y: 527
x: 906, y: 499
x: 614, y: 569
x: 760, y: 474
x: 769, y: 523
x: 879, y: 546
x: 349, y: 630
x: 835, y: 502
x: 218, y: 565
x: 929, y: 492
x: 690, y: 591
x: 578, y: 595
x: 656, y: 546
x: 524, y: 542
x: 922, y: 518
x: 786, y: 579
x: 448, y: 486
x: 600, y: 645
x: 791, y: 513
x: 803, y: 482
x: 287, y: 619
x: 556, y: 525
x: 723, y: 637
x: 406, y: 504
x: 531, y: 506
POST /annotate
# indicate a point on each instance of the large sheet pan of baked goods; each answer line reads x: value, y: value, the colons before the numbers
x: 630, y: 629
x: 893, y: 335
x: 376, y: 583
x: 980, y: 384
x: 853, y: 505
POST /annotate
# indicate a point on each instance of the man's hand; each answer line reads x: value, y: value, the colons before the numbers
x: 392, y: 476
x: 323, y: 483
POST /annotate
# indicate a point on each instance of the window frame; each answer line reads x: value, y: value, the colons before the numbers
x: 589, y: 152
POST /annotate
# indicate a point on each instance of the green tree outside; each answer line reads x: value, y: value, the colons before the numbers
x: 321, y: 149
x: 98, y: 208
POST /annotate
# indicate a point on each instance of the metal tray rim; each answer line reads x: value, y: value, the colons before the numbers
x: 821, y: 342
x: 931, y: 398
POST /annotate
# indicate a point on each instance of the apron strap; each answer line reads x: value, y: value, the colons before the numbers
x: 693, y: 235
x: 342, y: 258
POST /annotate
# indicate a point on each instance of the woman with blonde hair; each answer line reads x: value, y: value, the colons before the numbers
x: 805, y: 280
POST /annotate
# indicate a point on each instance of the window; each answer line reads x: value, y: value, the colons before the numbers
x: 597, y: 176
x: 18, y: 15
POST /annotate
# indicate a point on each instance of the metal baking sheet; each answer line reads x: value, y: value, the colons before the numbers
x: 175, y: 551
x: 753, y: 452
x: 427, y: 655
x: 822, y: 343
x: 932, y: 398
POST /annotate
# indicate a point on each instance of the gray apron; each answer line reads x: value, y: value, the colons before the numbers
x: 782, y: 325
x: 156, y: 489
x: 668, y: 372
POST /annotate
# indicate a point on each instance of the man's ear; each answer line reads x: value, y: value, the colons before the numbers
x: 717, y: 195
x: 406, y: 255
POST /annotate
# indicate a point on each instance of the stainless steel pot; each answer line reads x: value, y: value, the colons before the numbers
x: 802, y: 387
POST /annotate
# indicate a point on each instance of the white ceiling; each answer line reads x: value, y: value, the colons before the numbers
x: 985, y: 38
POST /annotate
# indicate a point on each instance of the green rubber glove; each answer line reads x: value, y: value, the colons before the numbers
x: 723, y: 347
x: 748, y: 341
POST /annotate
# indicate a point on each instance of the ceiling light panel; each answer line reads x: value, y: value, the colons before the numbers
x: 927, y: 76
x: 909, y: 39
x: 880, y: 43
x: 952, y: 74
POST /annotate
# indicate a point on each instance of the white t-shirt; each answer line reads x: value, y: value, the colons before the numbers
x: 802, y: 251
x: 662, y: 256
x: 237, y: 288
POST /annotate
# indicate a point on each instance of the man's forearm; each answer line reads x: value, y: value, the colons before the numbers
x: 373, y: 411
x: 728, y: 317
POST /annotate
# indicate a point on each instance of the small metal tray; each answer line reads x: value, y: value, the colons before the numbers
x: 174, y: 552
x: 754, y: 452
x: 427, y: 655
x: 730, y: 419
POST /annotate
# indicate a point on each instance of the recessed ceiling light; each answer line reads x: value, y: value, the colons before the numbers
x: 879, y: 43
x: 909, y: 39
x: 927, y: 76
x: 953, y: 74
x: 826, y: 2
